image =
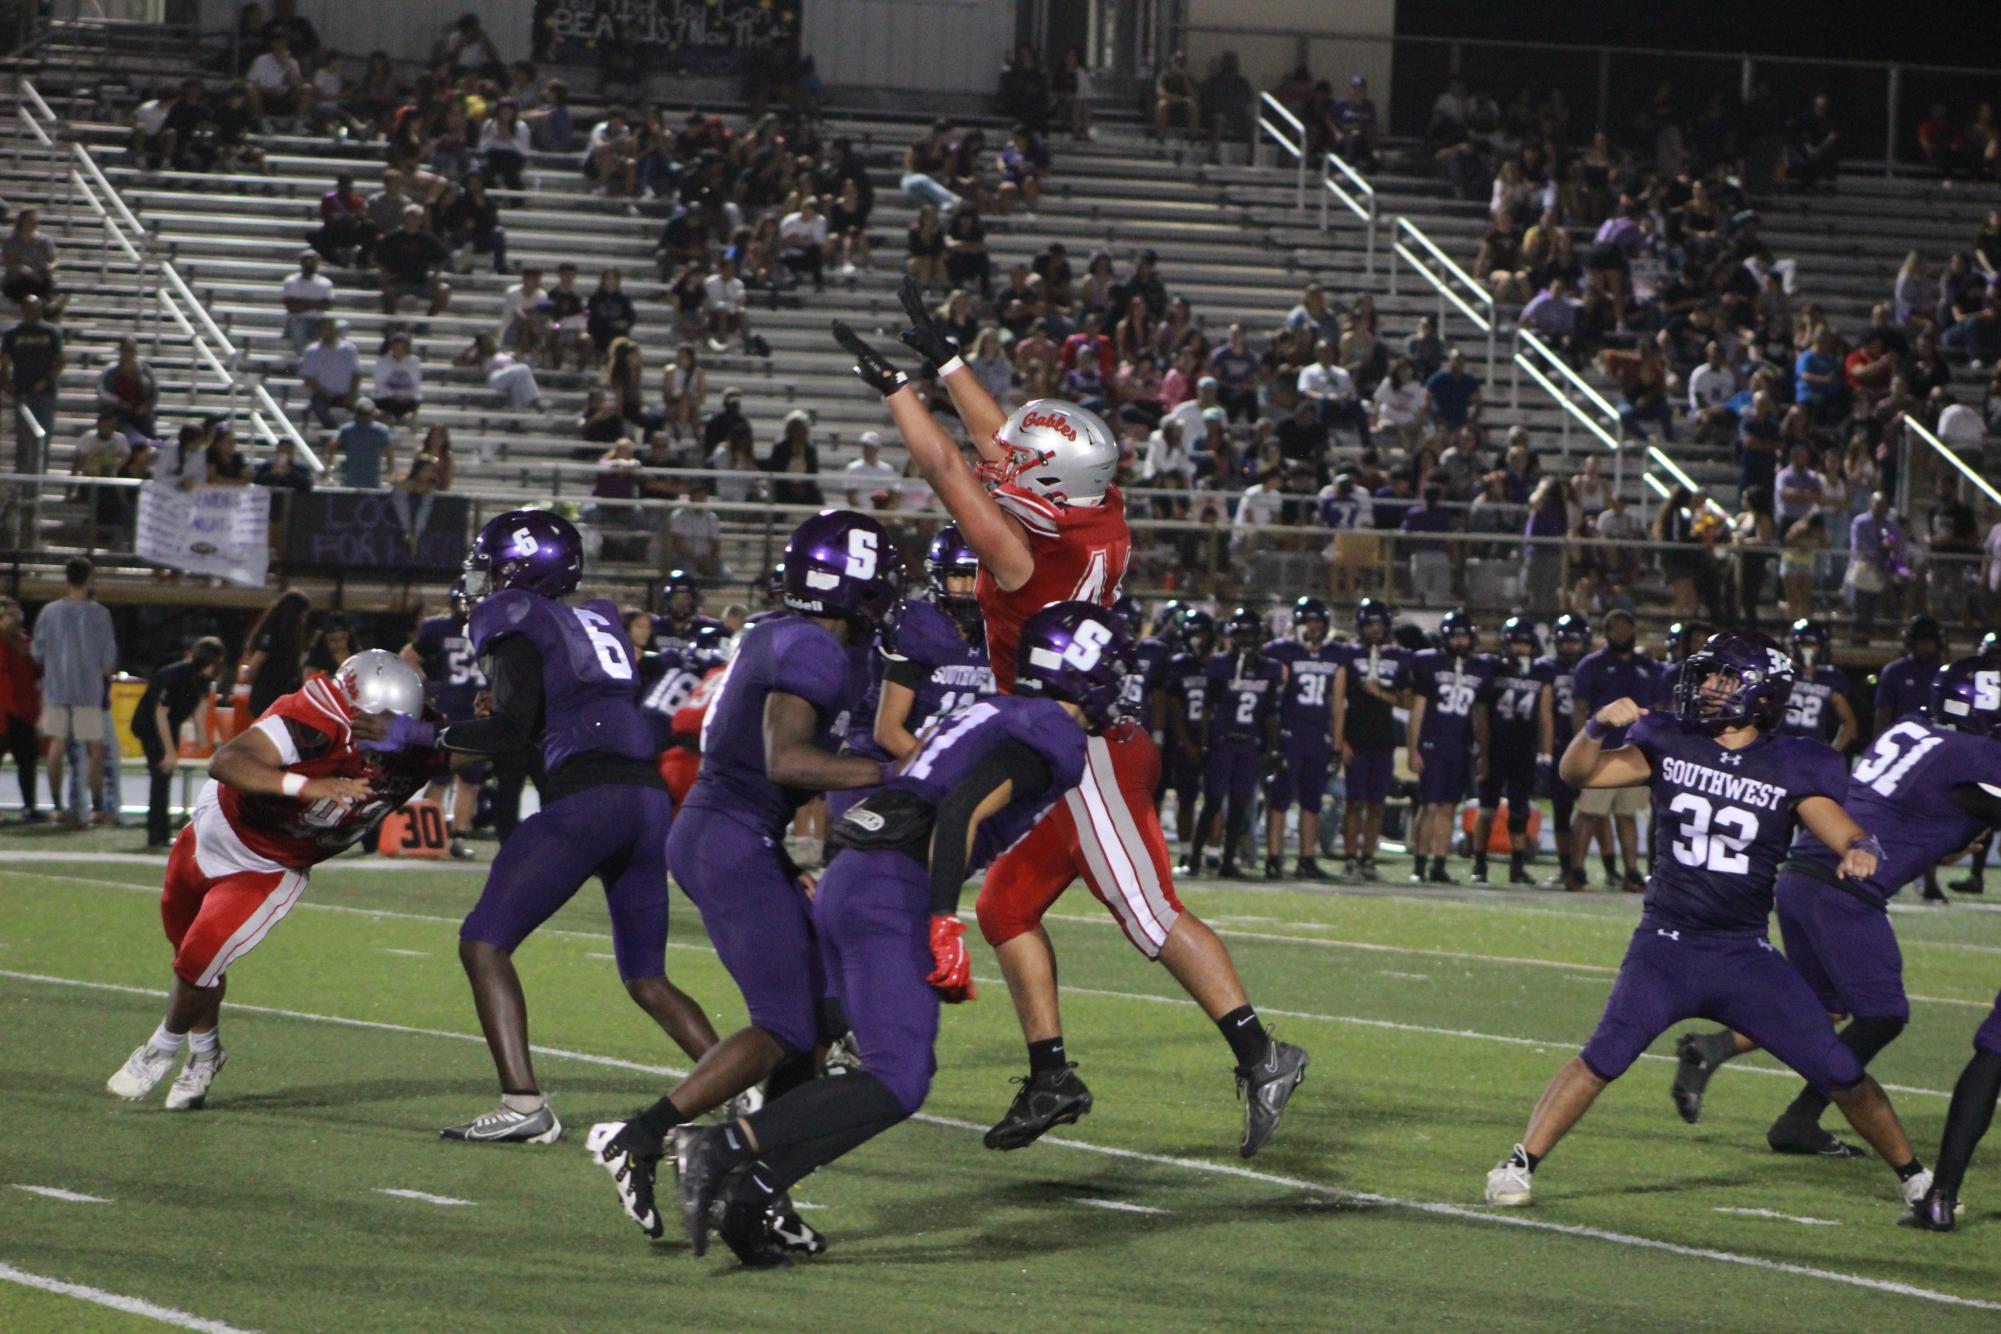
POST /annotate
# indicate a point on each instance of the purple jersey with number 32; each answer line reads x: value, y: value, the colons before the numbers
x: 1724, y: 820
x: 956, y: 743
x: 587, y: 672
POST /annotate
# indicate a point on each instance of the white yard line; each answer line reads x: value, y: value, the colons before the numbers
x: 58, y: 1193
x: 1773, y: 1213
x: 1117, y: 1206
x: 407, y: 954
x: 423, y: 1196
x: 139, y: 1306
x: 1465, y: 1213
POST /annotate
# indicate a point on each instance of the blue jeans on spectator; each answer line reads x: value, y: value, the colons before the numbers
x: 109, y: 799
x: 1659, y: 411
x: 302, y: 329
x: 927, y: 191
x: 321, y: 409
x: 1975, y: 338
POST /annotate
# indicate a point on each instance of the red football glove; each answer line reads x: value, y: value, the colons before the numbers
x: 952, y: 971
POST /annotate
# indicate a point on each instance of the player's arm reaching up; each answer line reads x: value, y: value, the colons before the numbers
x: 976, y: 407
x: 999, y: 538
x: 1586, y: 763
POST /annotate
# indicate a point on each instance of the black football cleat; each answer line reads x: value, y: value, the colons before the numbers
x: 1480, y: 870
x: 1971, y: 884
x: 1691, y: 1077
x: 1274, y: 869
x: 700, y: 1167
x: 1518, y: 873
x: 1933, y: 1213
x: 745, y: 1222
x: 1048, y: 1099
x: 1808, y: 1138
x: 1439, y: 875
x: 1308, y: 869
x: 791, y: 1233
x: 1265, y: 1088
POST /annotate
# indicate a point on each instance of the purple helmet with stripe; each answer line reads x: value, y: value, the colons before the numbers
x: 841, y: 563
x: 532, y: 550
x: 708, y: 647
x: 1738, y: 678
x: 1966, y: 696
x: 1077, y: 652
x: 949, y: 557
x: 1131, y: 618
x: 1309, y: 610
x: 1374, y: 612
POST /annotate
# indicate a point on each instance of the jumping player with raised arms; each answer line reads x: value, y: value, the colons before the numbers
x: 1049, y: 526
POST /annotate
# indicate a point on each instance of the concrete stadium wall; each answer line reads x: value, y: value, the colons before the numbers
x: 1267, y: 59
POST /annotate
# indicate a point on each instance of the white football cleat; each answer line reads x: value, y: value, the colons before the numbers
x: 1511, y: 1184
x: 142, y: 1070
x: 190, y: 1091
x: 501, y: 1126
x: 1917, y: 1188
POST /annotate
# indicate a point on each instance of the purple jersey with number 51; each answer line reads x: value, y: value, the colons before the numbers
x: 1724, y: 820
x: 1901, y: 791
x: 587, y: 672
x: 956, y: 743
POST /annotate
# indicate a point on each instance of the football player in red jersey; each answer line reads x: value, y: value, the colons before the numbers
x: 283, y: 796
x: 1049, y: 526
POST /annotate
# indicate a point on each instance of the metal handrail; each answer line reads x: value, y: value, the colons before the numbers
x: 1296, y: 145
x: 174, y: 297
x: 1486, y: 324
x: 1363, y: 207
x: 1950, y: 455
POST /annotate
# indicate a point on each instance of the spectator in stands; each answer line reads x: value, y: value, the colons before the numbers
x: 101, y: 452
x: 331, y: 371
x: 1430, y: 557
x: 1355, y: 124
x: 308, y: 295
x: 966, y: 260
x: 1332, y: 392
x: 504, y: 144
x: 524, y: 313
x: 990, y: 366
x: 1976, y: 335
x: 1752, y: 533
x: 277, y: 87
x: 924, y: 166
x: 1144, y: 283
x: 466, y: 47
x: 1590, y: 490
x: 232, y: 125
x: 1228, y: 101
x: 397, y: 384
x: 1314, y: 316
x: 727, y: 305
x: 1869, y: 366
x: 1817, y: 379
x: 625, y: 384
x: 1401, y: 406
x: 925, y: 248
x: 364, y: 452
x: 1425, y: 350
x: 735, y: 453
x: 128, y: 388
x: 20, y: 704
x: 1642, y: 375
x: 695, y: 534
x: 1235, y: 368
x: 506, y: 374
x: 1024, y: 88
x: 608, y: 312
x: 1175, y: 97
x: 600, y: 422
x: 1876, y: 551
x: 794, y: 457
x: 1813, y: 146
x: 684, y: 386
x: 1023, y: 162
x: 77, y: 648
x: 334, y: 644
x: 1454, y: 393
x: 152, y: 142
x: 867, y: 474
x: 1555, y: 316
x: 347, y: 229
x: 29, y: 260
x: 224, y: 462
x: 282, y: 471
x: 802, y: 237
x: 412, y: 261
x: 1542, y: 553
x: 31, y: 367
x: 1712, y: 388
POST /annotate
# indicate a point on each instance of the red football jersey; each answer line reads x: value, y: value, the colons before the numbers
x: 1080, y: 555
x: 679, y: 765
x: 309, y: 728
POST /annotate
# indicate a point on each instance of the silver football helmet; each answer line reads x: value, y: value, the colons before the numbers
x: 377, y: 681
x: 1057, y: 450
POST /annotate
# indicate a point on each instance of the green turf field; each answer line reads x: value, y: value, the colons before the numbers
x: 1433, y: 1020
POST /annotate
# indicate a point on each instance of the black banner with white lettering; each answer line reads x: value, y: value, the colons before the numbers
x: 686, y: 36
x: 381, y: 532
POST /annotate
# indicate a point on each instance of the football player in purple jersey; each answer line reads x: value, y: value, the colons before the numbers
x: 1243, y: 695
x: 1967, y: 699
x: 680, y: 613
x: 1682, y: 639
x: 1728, y: 792
x: 1905, y: 684
x: 1571, y: 640
x: 1975, y: 879
x: 442, y: 653
x: 1928, y: 787
x: 1820, y: 706
x: 1306, y: 736
x: 1619, y: 670
x: 1519, y: 749
x: 1449, y: 735
x: 1144, y: 698
x: 1374, y: 674
x: 562, y: 678
x: 1187, y: 716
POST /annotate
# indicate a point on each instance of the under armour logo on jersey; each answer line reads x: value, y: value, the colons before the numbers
x: 1663, y: 931
x: 1732, y: 758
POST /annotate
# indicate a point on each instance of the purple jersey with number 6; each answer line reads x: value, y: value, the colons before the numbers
x: 787, y: 655
x: 451, y: 669
x: 588, y: 674
x: 1305, y: 716
x: 1724, y: 820
x: 1901, y: 791
x: 959, y: 741
x: 929, y: 654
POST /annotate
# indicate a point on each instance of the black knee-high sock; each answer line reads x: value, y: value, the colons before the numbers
x: 1972, y: 1112
x: 795, y: 1070
x: 819, y: 1121
x: 1204, y: 821
x: 1233, y: 824
x: 660, y: 1118
x: 1864, y: 1037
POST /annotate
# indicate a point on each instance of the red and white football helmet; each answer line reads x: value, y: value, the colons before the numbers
x: 1056, y: 449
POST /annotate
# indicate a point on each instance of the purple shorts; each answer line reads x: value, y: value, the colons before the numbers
x: 538, y: 870
x: 1443, y: 781
x: 757, y: 917
x: 1303, y: 780
x: 1232, y: 769
x: 1670, y: 975
x: 1843, y: 947
x: 1369, y: 776
x: 873, y: 916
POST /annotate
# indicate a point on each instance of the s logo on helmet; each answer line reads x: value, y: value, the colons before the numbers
x: 1055, y: 421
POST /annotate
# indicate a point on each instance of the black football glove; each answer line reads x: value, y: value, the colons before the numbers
x: 924, y: 335
x: 870, y: 367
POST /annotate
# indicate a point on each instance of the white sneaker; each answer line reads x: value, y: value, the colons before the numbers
x: 1511, y: 1184
x: 190, y: 1091
x: 502, y: 1126
x: 632, y: 1176
x: 1917, y: 1188
x: 848, y: 271
x: 142, y: 1070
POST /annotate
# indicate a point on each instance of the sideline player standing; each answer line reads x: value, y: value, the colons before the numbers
x: 1144, y: 698
x: 680, y: 615
x: 1518, y: 749
x: 887, y: 913
x: 1820, y: 705
x: 1243, y: 696
x: 1187, y: 702
x: 1450, y: 685
x: 1052, y: 528
x: 1617, y: 671
x: 1306, y: 736
x: 443, y: 653
x: 1929, y: 785
x: 1374, y: 672
x: 1726, y: 792
x: 1570, y: 638
x: 563, y: 680
x: 282, y: 796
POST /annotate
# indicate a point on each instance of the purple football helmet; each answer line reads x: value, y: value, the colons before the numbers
x: 774, y: 586
x: 708, y: 647
x: 1758, y: 677
x: 1196, y: 631
x: 1520, y: 630
x: 1810, y: 640
x: 1571, y: 634
x: 680, y: 581
x: 1990, y: 645
x: 1966, y: 696
x: 841, y: 563
x: 1077, y: 652
x: 1373, y: 612
x: 1308, y: 610
x: 1458, y: 621
x: 532, y: 550
x: 1245, y: 629
x: 1131, y: 618
x: 947, y: 557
